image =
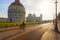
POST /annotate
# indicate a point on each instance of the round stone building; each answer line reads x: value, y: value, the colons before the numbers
x: 16, y: 12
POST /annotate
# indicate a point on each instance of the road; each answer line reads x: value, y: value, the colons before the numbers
x: 36, y: 32
x: 34, y: 35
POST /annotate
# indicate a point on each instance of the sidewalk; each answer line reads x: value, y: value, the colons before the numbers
x: 50, y: 34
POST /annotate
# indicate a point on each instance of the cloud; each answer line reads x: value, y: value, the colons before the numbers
x: 33, y: 3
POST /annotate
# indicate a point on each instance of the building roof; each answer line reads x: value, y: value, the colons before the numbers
x: 16, y: 3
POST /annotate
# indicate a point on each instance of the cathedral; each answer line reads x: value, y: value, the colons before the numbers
x: 16, y: 12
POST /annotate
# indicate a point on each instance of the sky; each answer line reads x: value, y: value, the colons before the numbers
x: 37, y: 7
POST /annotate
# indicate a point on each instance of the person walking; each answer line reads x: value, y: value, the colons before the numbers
x: 22, y: 26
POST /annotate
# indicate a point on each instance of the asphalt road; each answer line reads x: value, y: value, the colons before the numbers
x: 36, y: 34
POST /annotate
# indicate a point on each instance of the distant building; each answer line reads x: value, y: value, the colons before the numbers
x: 3, y: 19
x: 41, y: 17
x: 16, y: 12
x: 33, y: 18
x: 30, y: 18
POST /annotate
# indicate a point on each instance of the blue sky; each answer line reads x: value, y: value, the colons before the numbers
x: 45, y: 7
x: 4, y: 7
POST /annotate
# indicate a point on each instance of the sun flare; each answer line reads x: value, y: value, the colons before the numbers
x: 45, y: 8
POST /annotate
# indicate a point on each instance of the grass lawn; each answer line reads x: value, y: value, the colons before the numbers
x: 10, y: 24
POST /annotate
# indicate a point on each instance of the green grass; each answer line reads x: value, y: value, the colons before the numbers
x: 13, y: 24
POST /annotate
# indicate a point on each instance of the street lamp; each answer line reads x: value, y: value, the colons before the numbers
x: 56, y: 26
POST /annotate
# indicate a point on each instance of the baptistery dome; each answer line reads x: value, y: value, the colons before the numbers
x: 16, y: 12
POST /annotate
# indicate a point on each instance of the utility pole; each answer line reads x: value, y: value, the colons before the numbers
x: 56, y: 26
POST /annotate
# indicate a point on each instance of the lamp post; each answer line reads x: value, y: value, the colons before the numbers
x: 56, y: 26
